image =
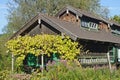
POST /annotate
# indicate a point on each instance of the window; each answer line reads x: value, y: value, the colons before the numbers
x: 90, y: 25
x: 115, y: 32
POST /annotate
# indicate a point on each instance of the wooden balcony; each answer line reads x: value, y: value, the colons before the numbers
x: 94, y: 58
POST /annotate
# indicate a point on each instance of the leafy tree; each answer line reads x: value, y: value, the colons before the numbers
x: 104, y: 12
x: 43, y: 44
x: 116, y: 18
x: 22, y: 10
x: 3, y: 39
x: 4, y: 57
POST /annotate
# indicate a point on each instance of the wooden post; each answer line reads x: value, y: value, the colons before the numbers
x: 63, y: 35
x: 67, y: 11
x: 42, y: 59
x: 12, y: 63
x: 108, y: 56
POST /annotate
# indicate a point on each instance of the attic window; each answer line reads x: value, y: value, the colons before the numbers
x: 90, y: 25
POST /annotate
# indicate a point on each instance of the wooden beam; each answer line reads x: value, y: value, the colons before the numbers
x: 77, y: 17
x: 108, y: 56
x: 39, y: 21
x: 12, y: 63
x: 67, y: 11
x: 42, y: 59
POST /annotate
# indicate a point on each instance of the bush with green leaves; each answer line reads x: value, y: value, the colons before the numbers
x: 4, y: 75
x: 74, y: 72
x: 42, y: 44
x: 69, y: 71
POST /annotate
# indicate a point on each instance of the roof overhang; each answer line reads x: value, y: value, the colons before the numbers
x: 68, y: 28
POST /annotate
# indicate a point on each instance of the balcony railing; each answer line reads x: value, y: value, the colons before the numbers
x: 95, y: 58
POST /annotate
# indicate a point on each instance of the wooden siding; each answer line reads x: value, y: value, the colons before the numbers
x: 35, y: 31
x: 70, y: 17
x: 103, y: 26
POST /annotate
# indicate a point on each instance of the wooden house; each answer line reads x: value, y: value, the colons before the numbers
x: 91, y: 31
x: 98, y: 36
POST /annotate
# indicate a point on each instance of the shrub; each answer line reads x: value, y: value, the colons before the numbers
x: 62, y: 71
x: 4, y: 75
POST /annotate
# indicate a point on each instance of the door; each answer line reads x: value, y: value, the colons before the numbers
x: 112, y: 54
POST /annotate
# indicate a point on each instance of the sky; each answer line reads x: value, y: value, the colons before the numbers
x: 3, y: 14
x: 112, y: 5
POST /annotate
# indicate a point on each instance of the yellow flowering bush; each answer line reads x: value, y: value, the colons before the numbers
x: 43, y: 44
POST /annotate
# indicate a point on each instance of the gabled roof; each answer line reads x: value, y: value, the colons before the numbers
x: 115, y: 23
x: 70, y: 29
x: 81, y: 13
x: 26, y: 26
x: 34, y: 22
